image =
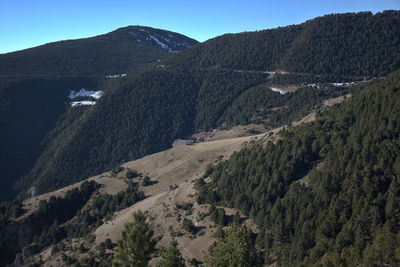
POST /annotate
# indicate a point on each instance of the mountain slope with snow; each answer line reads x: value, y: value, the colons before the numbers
x: 166, y: 40
x: 35, y: 84
x: 128, y: 48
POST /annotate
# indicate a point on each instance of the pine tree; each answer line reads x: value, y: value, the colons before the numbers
x: 172, y: 257
x: 234, y: 249
x: 136, y: 244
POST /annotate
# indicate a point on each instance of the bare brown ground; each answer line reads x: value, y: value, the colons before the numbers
x: 234, y: 132
x: 337, y: 100
x: 108, y: 185
x: 176, y: 166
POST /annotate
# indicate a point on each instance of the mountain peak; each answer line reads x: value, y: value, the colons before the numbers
x: 169, y: 41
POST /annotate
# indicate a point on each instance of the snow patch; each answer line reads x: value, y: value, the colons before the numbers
x: 343, y: 84
x: 278, y: 90
x: 83, y: 92
x: 116, y: 75
x: 82, y: 103
x: 165, y: 41
x: 164, y: 46
x: 97, y: 95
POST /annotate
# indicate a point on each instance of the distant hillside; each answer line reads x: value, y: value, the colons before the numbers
x: 35, y: 84
x: 218, y: 83
x: 351, y: 44
x: 141, y: 117
x: 324, y: 193
x: 115, y: 52
x: 29, y: 109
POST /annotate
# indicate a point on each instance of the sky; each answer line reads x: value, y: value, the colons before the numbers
x: 29, y: 23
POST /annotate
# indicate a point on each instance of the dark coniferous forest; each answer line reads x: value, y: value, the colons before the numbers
x: 326, y: 192
x: 322, y: 193
x: 189, y: 92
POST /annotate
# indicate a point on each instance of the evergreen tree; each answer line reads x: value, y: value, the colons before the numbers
x: 136, y: 244
x: 172, y: 257
x: 233, y: 249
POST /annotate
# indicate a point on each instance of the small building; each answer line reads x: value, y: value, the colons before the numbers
x: 181, y: 142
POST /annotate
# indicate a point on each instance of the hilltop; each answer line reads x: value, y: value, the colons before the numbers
x: 128, y: 48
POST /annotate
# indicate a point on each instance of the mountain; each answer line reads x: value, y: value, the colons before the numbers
x: 36, y: 82
x: 221, y: 82
x: 351, y: 44
x: 126, y: 48
x: 320, y: 192
x: 324, y: 193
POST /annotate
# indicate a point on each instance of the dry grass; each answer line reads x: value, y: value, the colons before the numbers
x: 176, y: 166
x: 108, y: 185
x: 181, y: 166
x: 336, y: 100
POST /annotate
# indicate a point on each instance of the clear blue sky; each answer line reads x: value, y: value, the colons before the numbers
x: 28, y: 23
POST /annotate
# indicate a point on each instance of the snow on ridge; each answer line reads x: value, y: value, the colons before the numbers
x: 278, y: 90
x: 83, y: 92
x: 82, y: 103
x: 164, y: 46
x: 166, y: 42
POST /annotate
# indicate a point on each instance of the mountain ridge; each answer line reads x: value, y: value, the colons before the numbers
x: 212, y: 75
x: 326, y: 192
x: 35, y: 84
x: 340, y: 44
x: 104, y: 54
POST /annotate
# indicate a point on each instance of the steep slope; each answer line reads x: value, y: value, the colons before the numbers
x: 126, y: 48
x: 351, y: 44
x: 43, y: 227
x: 29, y: 109
x: 179, y: 165
x: 135, y: 120
x: 345, y: 211
x: 36, y: 84
x: 205, y: 86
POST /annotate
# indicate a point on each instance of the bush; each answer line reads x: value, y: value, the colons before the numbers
x: 132, y: 174
x: 117, y: 170
x: 146, y: 181
x: 189, y: 226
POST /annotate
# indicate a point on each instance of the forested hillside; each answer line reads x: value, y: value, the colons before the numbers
x: 322, y: 193
x: 116, y: 52
x: 327, y: 192
x: 219, y: 83
x: 29, y: 109
x: 360, y: 44
x: 35, y: 83
x: 136, y: 120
